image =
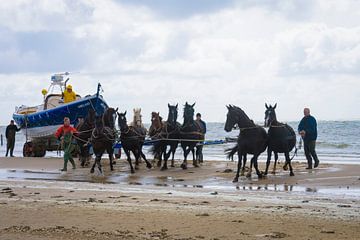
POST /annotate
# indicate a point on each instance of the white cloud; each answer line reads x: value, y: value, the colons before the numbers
x: 244, y: 54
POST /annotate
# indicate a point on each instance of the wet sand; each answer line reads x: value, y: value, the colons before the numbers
x: 39, y: 202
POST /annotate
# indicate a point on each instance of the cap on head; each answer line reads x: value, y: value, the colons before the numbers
x: 69, y: 87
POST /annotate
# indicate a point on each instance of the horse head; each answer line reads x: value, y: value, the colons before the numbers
x: 189, y: 113
x: 236, y: 116
x: 173, y: 114
x: 99, y: 124
x: 137, y: 121
x: 109, y: 117
x: 270, y: 115
x: 122, y: 122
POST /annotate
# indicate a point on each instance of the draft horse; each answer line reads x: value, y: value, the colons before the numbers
x: 190, y: 134
x: 251, y: 140
x: 132, y: 140
x: 103, y: 137
x: 168, y: 135
x: 85, y: 129
x: 281, y: 139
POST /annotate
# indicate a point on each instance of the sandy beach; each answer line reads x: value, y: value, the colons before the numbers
x: 37, y: 201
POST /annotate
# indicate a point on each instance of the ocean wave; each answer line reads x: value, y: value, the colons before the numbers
x: 333, y: 145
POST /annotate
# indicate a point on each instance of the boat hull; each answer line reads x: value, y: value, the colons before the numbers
x: 44, y: 123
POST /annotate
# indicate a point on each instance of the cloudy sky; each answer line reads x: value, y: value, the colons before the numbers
x: 147, y: 53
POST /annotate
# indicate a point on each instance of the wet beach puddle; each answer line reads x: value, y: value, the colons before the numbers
x: 125, y: 178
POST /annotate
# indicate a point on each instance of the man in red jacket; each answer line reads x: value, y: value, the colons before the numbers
x: 66, y: 131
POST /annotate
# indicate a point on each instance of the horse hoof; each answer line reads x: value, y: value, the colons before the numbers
x: 285, y: 168
x: 183, y: 166
x: 149, y: 166
x: 114, y: 162
x: 159, y: 164
x: 292, y: 174
x: 92, y: 170
x: 172, y: 165
x: 248, y: 175
x: 273, y: 172
x: 112, y: 169
x: 163, y: 168
x: 196, y: 165
x: 260, y: 176
x: 132, y: 171
x: 136, y: 167
x: 235, y: 180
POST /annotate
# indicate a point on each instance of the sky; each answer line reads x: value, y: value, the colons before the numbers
x: 148, y: 53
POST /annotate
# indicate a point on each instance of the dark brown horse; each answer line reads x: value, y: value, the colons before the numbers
x: 132, y: 139
x: 190, y: 134
x: 103, y: 137
x: 168, y: 136
x: 85, y: 129
x: 252, y: 138
x: 282, y: 139
x: 155, y: 131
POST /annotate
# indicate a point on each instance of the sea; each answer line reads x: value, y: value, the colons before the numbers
x: 338, y: 142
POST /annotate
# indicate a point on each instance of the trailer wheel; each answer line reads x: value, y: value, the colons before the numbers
x: 40, y: 152
x: 28, y: 149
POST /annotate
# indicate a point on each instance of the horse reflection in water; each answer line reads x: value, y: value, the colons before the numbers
x: 282, y: 139
x: 103, y: 137
x: 132, y: 140
x: 252, y: 139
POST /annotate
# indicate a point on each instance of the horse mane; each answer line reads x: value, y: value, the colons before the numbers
x: 241, y: 113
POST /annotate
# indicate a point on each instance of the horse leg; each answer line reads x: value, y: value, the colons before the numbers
x: 285, y: 167
x: 269, y: 152
x: 148, y: 164
x: 256, y: 166
x: 248, y: 175
x: 173, y: 150
x: 244, y: 160
x: 236, y: 178
x: 111, y: 157
x: 186, y: 152
x: 127, y: 152
x: 276, y: 155
x: 195, y: 161
x: 93, y: 166
x: 288, y: 161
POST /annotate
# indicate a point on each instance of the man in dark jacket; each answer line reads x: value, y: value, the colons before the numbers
x: 199, y: 147
x: 308, y: 130
x: 10, y: 133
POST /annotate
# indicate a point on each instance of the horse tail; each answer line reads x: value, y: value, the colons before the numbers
x: 231, y: 151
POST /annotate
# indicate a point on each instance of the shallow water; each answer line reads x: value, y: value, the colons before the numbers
x: 126, y: 181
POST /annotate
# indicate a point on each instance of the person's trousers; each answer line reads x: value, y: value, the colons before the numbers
x: 199, y: 153
x: 310, y: 153
x: 10, y: 146
x: 68, y: 148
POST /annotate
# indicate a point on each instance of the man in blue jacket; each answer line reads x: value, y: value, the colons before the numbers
x: 308, y: 130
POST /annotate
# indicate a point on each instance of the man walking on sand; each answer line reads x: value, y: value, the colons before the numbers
x: 308, y: 130
x: 10, y: 133
x: 66, y: 131
x: 199, y: 147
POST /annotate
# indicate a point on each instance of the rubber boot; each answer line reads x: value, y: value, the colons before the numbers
x: 72, y: 163
x: 64, y: 169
